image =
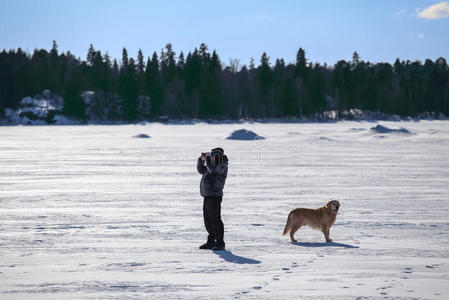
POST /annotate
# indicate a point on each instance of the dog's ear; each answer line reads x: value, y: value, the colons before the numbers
x: 329, y: 207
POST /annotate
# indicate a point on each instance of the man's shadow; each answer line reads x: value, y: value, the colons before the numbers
x: 328, y: 244
x: 229, y: 257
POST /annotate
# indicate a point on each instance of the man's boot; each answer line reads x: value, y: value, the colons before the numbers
x: 219, y: 246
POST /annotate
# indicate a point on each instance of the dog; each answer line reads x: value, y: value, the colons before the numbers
x: 321, y: 218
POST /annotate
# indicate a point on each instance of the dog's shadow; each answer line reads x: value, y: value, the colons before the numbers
x: 327, y: 244
x: 229, y: 257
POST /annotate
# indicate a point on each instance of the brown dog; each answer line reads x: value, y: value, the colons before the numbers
x: 321, y: 218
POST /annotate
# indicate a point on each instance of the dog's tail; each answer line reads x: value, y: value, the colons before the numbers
x: 288, y: 225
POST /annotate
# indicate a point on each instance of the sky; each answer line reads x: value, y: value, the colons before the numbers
x: 328, y: 30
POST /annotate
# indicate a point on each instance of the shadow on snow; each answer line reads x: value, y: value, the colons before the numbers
x: 229, y: 257
x: 328, y: 244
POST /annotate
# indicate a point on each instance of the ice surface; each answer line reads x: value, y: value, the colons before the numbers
x: 89, y: 213
x: 244, y: 134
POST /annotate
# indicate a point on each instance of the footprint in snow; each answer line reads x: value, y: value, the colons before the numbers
x: 432, y: 266
x: 408, y: 270
x: 383, y: 289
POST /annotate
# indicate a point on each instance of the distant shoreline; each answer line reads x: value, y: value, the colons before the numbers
x: 227, y: 122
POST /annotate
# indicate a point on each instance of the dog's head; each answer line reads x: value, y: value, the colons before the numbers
x: 333, y: 206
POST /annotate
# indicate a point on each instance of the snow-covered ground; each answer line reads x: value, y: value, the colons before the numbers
x: 90, y: 212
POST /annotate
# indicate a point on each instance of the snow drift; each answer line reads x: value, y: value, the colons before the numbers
x: 142, y: 136
x: 383, y: 129
x: 244, y: 135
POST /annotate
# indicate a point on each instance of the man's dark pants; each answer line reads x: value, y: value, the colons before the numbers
x: 212, y: 220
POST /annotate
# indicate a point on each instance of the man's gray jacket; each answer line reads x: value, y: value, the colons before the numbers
x: 214, y: 177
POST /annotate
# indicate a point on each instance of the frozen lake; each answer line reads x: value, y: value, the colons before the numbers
x: 93, y: 212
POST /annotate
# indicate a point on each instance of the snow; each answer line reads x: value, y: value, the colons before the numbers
x: 38, y: 105
x: 383, y: 129
x: 39, y: 112
x: 244, y: 134
x: 142, y: 136
x: 12, y: 115
x: 88, y: 212
x: 34, y: 111
x: 27, y: 101
x: 88, y: 96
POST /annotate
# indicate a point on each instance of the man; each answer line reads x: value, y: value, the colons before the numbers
x: 211, y: 188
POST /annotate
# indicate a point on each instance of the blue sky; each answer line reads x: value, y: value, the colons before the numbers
x: 328, y: 30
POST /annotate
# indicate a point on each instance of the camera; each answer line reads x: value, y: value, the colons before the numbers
x: 215, y: 156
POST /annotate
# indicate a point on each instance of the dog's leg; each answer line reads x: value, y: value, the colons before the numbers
x: 294, y: 228
x: 326, y: 234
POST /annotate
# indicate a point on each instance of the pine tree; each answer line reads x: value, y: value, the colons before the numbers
x: 128, y: 88
x: 107, y: 60
x: 265, y: 75
x: 74, y: 106
x: 124, y: 59
x: 355, y: 60
x: 204, y: 54
x: 252, y: 64
x: 153, y: 85
x: 301, y: 64
x: 168, y: 64
x: 192, y: 72
x: 181, y: 62
x: 265, y: 79
x: 140, y: 63
x: 90, y: 55
x: 215, y: 64
x: 54, y: 51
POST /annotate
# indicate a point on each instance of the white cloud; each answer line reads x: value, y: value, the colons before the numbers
x: 416, y: 35
x: 436, y: 11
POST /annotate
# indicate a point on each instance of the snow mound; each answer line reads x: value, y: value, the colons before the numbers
x: 244, y: 135
x: 383, y: 129
x: 142, y: 136
x: 357, y: 129
x: 323, y: 138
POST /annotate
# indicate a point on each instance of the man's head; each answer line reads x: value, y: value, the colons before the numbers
x: 217, y: 156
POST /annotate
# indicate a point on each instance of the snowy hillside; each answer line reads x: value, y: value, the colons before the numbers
x: 91, y: 212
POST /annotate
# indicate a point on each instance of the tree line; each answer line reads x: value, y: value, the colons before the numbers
x: 199, y: 85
